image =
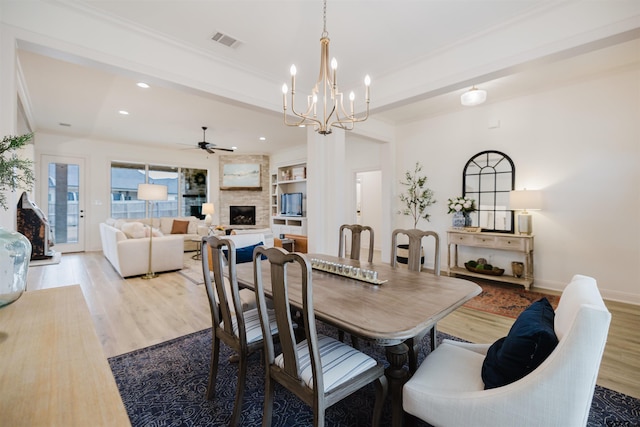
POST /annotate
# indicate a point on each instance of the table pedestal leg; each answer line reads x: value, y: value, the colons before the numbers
x: 397, y: 376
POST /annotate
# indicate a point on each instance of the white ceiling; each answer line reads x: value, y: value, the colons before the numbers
x: 375, y: 37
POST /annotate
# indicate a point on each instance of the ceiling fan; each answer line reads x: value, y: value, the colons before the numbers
x: 209, y: 147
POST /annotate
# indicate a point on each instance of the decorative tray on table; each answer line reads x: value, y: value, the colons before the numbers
x: 357, y: 273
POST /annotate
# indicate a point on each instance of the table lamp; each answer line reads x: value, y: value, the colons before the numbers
x: 208, y: 210
x: 525, y: 200
x: 151, y: 193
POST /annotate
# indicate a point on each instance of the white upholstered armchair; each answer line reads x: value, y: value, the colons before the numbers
x: 448, y: 390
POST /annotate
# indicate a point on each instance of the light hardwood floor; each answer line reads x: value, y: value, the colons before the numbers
x: 133, y: 313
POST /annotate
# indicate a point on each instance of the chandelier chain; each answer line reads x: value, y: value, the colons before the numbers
x: 324, y: 19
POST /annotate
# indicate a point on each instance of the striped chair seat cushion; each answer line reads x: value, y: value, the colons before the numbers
x: 340, y: 362
x: 252, y: 325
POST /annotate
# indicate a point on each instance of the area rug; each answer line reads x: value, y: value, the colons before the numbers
x: 506, y: 300
x: 165, y: 384
x: 192, y: 269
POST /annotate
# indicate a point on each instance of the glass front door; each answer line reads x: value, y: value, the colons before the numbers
x: 64, y: 202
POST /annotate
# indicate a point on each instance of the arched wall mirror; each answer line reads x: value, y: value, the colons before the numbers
x: 488, y: 177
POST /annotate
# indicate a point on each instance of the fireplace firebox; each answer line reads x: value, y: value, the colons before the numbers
x: 242, y: 215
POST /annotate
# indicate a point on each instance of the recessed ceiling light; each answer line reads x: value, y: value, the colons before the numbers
x: 262, y: 138
x: 234, y: 148
x: 123, y: 112
x: 143, y: 85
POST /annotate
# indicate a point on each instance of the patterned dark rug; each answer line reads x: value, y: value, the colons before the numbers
x: 505, y: 299
x: 164, y: 385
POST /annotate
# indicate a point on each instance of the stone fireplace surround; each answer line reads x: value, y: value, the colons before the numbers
x: 259, y: 199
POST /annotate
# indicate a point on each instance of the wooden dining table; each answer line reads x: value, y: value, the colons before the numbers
x: 406, y: 304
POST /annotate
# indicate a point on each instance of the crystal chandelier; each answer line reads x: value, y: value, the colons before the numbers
x: 332, y: 106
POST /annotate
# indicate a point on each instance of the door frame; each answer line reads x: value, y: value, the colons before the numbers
x: 45, y: 160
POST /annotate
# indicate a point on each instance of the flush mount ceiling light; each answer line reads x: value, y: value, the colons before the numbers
x: 326, y: 88
x: 473, y: 96
x: 143, y: 85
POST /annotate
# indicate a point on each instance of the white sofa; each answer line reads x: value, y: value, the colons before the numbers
x: 129, y: 256
x: 195, y: 230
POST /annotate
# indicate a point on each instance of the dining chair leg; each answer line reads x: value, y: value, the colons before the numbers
x: 267, y: 412
x: 242, y: 375
x: 381, y: 386
x: 433, y: 335
x: 213, y: 369
x: 413, y: 344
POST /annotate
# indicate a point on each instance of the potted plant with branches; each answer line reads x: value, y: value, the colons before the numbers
x: 416, y: 198
x: 15, y: 249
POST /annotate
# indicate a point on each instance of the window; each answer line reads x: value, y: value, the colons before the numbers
x: 187, y: 190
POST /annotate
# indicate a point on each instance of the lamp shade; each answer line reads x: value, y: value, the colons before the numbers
x: 208, y: 209
x: 525, y: 200
x: 152, y: 192
x: 473, y: 96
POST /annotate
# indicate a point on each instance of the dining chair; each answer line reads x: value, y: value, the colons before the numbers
x: 319, y: 370
x: 356, y: 231
x: 238, y: 328
x: 415, y: 264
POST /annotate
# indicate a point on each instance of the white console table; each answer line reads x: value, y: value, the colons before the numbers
x: 506, y: 242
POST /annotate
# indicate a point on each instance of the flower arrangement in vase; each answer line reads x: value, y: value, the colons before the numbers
x: 461, y: 207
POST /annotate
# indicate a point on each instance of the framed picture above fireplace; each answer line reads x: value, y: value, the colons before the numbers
x: 241, y: 176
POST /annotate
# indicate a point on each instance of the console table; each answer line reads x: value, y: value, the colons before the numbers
x: 507, y: 242
x: 54, y: 371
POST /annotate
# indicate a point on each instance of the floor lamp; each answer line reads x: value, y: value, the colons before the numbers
x: 151, y: 193
x: 525, y: 200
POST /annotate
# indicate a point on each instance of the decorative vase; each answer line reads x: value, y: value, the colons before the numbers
x: 402, y: 254
x: 467, y: 219
x: 518, y: 268
x: 461, y: 219
x: 15, y: 253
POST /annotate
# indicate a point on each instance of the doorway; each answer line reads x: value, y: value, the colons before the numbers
x: 369, y: 204
x: 63, y: 201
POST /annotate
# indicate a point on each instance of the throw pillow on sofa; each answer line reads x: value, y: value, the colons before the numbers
x: 529, y: 341
x: 179, y: 227
x: 244, y: 254
x: 133, y: 230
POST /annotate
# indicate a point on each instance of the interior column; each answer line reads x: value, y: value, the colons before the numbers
x: 326, y: 184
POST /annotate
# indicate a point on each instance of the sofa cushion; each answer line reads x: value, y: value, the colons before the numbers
x: 179, y: 227
x: 529, y: 341
x: 133, y: 230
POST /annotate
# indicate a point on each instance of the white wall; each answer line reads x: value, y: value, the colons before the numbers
x: 580, y: 145
x: 98, y: 156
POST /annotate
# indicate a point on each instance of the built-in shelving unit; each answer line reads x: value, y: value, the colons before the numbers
x: 288, y: 179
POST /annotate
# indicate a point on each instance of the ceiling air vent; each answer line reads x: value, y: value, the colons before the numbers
x: 225, y: 39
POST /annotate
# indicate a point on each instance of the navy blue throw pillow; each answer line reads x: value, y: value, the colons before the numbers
x: 529, y: 342
x: 244, y: 254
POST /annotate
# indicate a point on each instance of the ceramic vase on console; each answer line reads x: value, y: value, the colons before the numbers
x: 461, y: 219
x: 15, y: 253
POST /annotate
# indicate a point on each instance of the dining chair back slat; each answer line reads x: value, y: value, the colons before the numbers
x: 356, y: 234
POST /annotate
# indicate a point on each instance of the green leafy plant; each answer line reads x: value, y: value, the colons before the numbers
x: 14, y: 171
x: 416, y: 198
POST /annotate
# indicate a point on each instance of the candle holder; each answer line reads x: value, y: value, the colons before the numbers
x: 345, y: 270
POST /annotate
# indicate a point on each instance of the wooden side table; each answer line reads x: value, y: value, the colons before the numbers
x: 288, y: 244
x: 505, y: 242
x: 54, y: 371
